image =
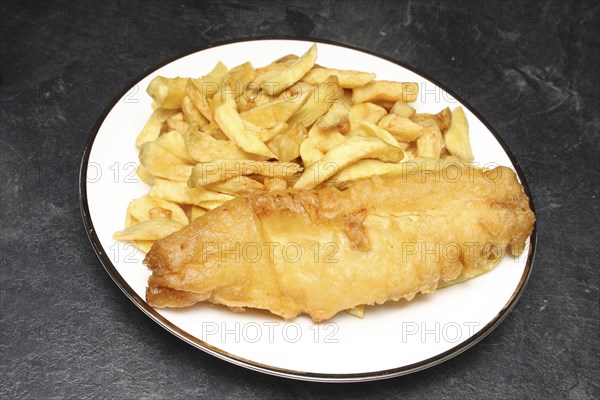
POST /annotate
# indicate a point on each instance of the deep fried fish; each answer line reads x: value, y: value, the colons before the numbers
x: 321, y: 252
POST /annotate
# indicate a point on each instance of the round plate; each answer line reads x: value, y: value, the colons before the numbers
x: 394, y: 339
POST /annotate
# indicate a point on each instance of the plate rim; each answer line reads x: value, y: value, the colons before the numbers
x: 269, y: 369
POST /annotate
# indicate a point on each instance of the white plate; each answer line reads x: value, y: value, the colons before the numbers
x: 391, y: 340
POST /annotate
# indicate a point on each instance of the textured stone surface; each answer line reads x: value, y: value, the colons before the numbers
x: 531, y: 69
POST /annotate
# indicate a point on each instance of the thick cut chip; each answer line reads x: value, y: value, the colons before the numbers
x: 319, y: 142
x: 274, y: 183
x: 264, y: 135
x: 196, y: 211
x: 278, y: 81
x: 269, y: 114
x: 215, y: 75
x: 159, y: 212
x: 278, y: 64
x: 159, y: 162
x: 354, y: 149
x: 402, y: 109
x: 144, y: 175
x: 318, y: 103
x: 174, y: 143
x: 238, y: 78
x: 338, y: 116
x: 140, y: 208
x: 220, y: 170
x: 152, y: 229
x: 176, y: 122
x: 441, y: 119
x: 429, y: 144
x: 202, y: 147
x: 167, y: 92
x: 143, y: 245
x: 358, y: 311
x: 232, y: 125
x: 179, y: 192
x: 151, y: 130
x: 386, y: 90
x: 348, y: 79
x: 237, y: 185
x: 402, y: 128
x: 286, y: 145
x: 364, y: 169
x: 378, y: 132
x: 368, y: 112
x: 457, y: 136
x: 199, y: 100
x: 191, y: 113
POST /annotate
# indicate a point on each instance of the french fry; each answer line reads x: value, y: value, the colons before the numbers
x: 239, y: 77
x: 358, y: 311
x: 347, y: 79
x: 402, y: 109
x: 349, y: 152
x: 152, y: 229
x: 319, y: 142
x: 457, y: 136
x: 237, y: 185
x: 143, y: 245
x: 214, y: 76
x: 159, y: 212
x: 264, y: 135
x: 378, y: 132
x: 167, y: 92
x: 220, y: 170
x: 144, y: 175
x: 277, y: 65
x: 174, y: 143
x: 444, y: 119
x: 215, y: 131
x: 202, y: 147
x: 159, y: 162
x: 191, y: 113
x: 211, y: 204
x: 429, y: 144
x: 286, y: 145
x: 198, y: 99
x: 233, y: 85
x: 338, y: 116
x: 273, y: 183
x: 441, y: 119
x: 318, y: 103
x: 176, y: 123
x: 129, y: 220
x: 269, y: 114
x: 364, y: 169
x: 196, y: 211
x: 140, y: 208
x: 386, y: 90
x: 232, y: 125
x: 179, y: 192
x: 368, y: 112
x: 386, y: 104
x: 402, y: 128
x: 278, y: 81
x: 153, y: 126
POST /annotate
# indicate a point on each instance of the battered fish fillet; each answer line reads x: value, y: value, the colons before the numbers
x: 321, y: 252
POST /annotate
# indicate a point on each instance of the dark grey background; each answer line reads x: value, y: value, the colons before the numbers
x: 531, y: 69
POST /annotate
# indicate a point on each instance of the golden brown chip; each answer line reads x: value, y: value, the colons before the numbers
x: 386, y: 90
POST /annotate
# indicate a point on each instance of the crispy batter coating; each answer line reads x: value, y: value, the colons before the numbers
x: 322, y: 252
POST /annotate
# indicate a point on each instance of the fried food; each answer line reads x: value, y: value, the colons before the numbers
x: 321, y: 252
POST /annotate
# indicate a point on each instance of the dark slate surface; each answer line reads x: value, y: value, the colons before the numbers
x: 531, y: 69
